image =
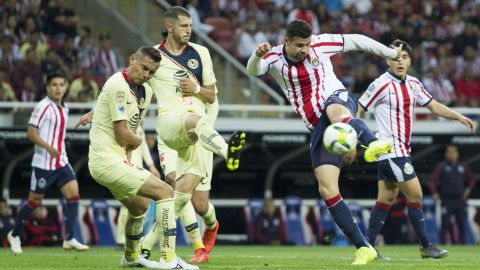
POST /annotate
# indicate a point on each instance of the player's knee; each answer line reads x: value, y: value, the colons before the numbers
x: 201, y: 207
x: 327, y: 192
x: 138, y: 210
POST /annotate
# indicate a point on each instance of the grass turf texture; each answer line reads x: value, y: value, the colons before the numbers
x: 248, y: 257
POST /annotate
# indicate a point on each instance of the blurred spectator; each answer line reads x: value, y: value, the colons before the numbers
x: 41, y: 229
x: 53, y: 63
x: 247, y: 38
x: 269, y: 226
x: 469, y: 58
x: 451, y: 183
x: 69, y: 54
x: 396, y: 230
x: 83, y: 89
x: 468, y: 37
x: 274, y: 15
x: 6, y: 91
x: 250, y: 10
x: 304, y: 13
x: 34, y: 42
x: 440, y: 87
x: 11, y: 28
x: 87, y: 53
x: 6, y: 221
x: 62, y: 21
x: 364, y: 77
x: 28, y: 67
x: 191, y: 6
x: 85, y: 32
x: 467, y: 88
x: 9, y: 53
x: 29, y: 91
x: 275, y: 33
x: 37, y: 14
x: 109, y: 61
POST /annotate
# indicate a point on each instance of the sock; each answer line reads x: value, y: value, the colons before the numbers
x: 210, y: 219
x: 133, y: 233
x: 210, y: 139
x: 71, y: 215
x: 121, y: 222
x: 149, y: 240
x: 415, y: 214
x: 181, y: 199
x: 377, y: 220
x: 344, y: 219
x: 24, y: 213
x: 365, y: 135
x: 165, y: 218
x: 189, y: 220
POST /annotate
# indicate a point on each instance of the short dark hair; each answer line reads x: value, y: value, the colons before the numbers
x: 298, y: 28
x: 406, y: 47
x: 55, y: 74
x: 175, y: 12
x: 151, y: 52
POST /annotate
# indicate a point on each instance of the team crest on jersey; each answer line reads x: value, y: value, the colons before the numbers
x: 120, y: 97
x: 407, y: 168
x: 371, y: 87
x: 315, y: 62
x: 193, y: 63
x: 42, y: 183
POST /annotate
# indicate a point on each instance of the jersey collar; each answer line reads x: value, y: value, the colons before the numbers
x: 395, y: 77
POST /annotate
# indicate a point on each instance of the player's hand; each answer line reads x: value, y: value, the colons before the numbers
x: 262, y: 49
x: 53, y: 152
x: 398, y: 49
x: 84, y: 119
x: 188, y: 86
x: 436, y: 197
x: 348, y: 158
x: 154, y: 170
x: 469, y: 123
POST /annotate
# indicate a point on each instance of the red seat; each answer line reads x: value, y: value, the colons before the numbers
x: 219, y: 23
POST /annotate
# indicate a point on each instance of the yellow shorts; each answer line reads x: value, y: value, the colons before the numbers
x: 122, y: 178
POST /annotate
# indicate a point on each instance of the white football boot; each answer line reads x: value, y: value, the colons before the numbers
x: 15, y: 243
x: 140, y: 262
x: 176, y: 263
x: 74, y: 244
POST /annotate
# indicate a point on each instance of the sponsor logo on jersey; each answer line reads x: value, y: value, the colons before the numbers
x: 193, y: 63
x: 179, y: 74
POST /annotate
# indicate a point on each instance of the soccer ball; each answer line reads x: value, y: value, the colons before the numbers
x: 340, y: 138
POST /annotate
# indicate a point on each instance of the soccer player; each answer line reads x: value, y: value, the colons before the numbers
x: 198, y: 204
x: 302, y: 67
x: 120, y: 109
x: 183, y: 85
x: 47, y: 127
x: 393, y: 97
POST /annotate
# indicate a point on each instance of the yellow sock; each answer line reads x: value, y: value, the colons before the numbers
x: 121, y: 222
x: 133, y: 233
x: 165, y: 218
x: 189, y: 220
x: 210, y: 219
x: 210, y: 139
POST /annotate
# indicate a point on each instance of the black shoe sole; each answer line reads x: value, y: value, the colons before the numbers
x: 235, y: 147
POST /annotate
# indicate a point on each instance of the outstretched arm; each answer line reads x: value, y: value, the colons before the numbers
x: 254, y: 61
x: 357, y: 42
x: 442, y: 110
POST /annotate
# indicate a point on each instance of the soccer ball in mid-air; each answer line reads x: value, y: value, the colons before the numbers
x: 340, y: 138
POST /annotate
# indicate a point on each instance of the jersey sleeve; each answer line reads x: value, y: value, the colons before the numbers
x: 257, y: 66
x: 423, y: 97
x: 372, y: 95
x: 207, y: 72
x: 39, y: 115
x: 117, y: 103
x: 329, y: 44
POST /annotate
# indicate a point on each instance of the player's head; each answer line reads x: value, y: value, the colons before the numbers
x: 451, y: 153
x: 143, y: 64
x: 297, y: 40
x: 178, y: 24
x: 399, y: 66
x: 56, y: 86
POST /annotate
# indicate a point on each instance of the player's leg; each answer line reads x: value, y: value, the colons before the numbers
x: 200, y: 128
x: 413, y: 192
x: 460, y: 213
x: 387, y: 192
x: 69, y: 190
x: 121, y: 222
x: 342, y: 107
x: 445, y: 228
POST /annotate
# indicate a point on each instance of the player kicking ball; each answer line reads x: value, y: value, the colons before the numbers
x: 393, y: 97
x: 120, y: 109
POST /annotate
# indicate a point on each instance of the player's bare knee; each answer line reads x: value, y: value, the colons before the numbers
x: 200, y: 207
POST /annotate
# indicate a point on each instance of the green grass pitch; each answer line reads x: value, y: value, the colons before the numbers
x: 248, y: 257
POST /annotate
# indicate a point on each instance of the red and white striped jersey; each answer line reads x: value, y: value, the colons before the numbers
x: 51, y: 121
x: 393, y: 101
x: 309, y: 83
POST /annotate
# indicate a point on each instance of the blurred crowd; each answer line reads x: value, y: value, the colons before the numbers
x: 41, y: 36
x: 444, y: 35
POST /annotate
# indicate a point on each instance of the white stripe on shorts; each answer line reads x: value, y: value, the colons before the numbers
x: 396, y: 170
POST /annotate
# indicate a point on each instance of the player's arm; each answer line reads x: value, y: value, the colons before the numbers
x: 84, y: 119
x: 147, y: 157
x: 357, y: 42
x: 33, y: 136
x: 256, y: 65
x: 205, y: 93
x: 442, y: 110
x: 124, y: 135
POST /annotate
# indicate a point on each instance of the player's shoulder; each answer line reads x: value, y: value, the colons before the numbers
x: 382, y: 80
x: 326, y: 37
x: 274, y: 53
x: 44, y: 102
x: 410, y: 78
x: 115, y: 83
x: 197, y: 47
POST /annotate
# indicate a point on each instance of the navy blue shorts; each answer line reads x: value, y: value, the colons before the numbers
x: 319, y: 154
x: 398, y: 169
x: 42, y: 179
